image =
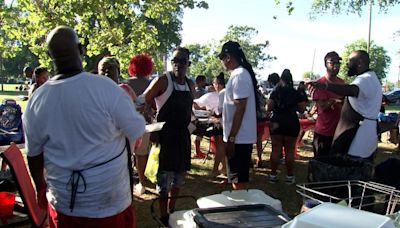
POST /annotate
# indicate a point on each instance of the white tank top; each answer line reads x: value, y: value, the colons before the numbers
x: 162, y: 99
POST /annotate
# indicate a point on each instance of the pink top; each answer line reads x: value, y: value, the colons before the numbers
x: 129, y: 91
x: 327, y: 120
x: 132, y: 95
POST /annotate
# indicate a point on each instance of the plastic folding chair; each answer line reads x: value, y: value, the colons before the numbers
x: 13, y: 157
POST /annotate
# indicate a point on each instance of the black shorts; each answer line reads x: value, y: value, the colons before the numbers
x: 238, y: 166
x: 284, y: 126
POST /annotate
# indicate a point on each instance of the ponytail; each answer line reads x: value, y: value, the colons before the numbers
x: 245, y: 64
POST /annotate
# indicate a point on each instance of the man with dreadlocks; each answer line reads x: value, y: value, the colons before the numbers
x: 238, y: 113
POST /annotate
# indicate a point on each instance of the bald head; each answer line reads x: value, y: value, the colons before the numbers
x: 363, y: 56
x: 62, y: 42
x: 65, y: 50
x: 358, y: 62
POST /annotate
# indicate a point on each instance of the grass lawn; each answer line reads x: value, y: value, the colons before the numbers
x: 392, y: 108
x: 11, y: 92
x: 198, y: 184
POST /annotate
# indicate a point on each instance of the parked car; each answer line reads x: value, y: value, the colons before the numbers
x: 392, y: 96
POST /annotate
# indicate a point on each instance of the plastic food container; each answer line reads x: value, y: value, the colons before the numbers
x: 6, y: 204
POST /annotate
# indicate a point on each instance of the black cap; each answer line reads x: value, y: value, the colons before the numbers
x: 27, y: 69
x: 332, y: 55
x: 229, y: 47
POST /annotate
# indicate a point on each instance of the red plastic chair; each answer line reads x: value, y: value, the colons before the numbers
x: 13, y: 157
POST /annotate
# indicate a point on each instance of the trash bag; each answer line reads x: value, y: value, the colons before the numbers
x: 334, y: 168
x: 152, y: 163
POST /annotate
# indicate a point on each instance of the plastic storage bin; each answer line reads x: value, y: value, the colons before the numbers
x: 7, y: 201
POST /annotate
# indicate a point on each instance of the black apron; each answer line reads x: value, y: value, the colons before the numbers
x: 174, y: 138
x: 346, y: 129
x: 338, y: 165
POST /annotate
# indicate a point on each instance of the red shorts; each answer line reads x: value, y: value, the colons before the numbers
x: 261, y: 126
x: 126, y: 218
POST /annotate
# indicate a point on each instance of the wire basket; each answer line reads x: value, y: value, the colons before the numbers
x: 368, y: 196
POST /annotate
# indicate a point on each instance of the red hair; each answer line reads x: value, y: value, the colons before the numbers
x: 141, y: 64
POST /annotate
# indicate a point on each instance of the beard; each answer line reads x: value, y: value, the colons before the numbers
x: 352, y: 70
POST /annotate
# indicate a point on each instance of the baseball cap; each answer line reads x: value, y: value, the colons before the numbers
x: 27, y: 69
x: 229, y: 47
x: 332, y: 55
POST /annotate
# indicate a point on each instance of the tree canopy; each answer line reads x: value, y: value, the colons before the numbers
x: 117, y: 27
x: 379, y: 60
x: 320, y: 7
x: 204, y: 57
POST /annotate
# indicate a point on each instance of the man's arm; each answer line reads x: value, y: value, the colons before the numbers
x: 343, y: 90
x: 155, y: 89
x: 240, y: 105
x: 324, y: 104
x: 36, y: 168
x: 339, y: 89
x: 236, y: 123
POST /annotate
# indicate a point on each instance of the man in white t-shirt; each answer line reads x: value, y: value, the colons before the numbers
x: 76, y: 126
x: 208, y: 101
x: 238, y: 113
x: 356, y: 133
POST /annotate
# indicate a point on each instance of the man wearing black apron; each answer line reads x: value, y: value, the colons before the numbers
x: 356, y: 135
x: 172, y: 94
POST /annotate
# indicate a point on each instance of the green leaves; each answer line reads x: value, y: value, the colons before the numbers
x: 320, y: 7
x: 204, y: 57
x: 379, y: 60
x: 122, y: 28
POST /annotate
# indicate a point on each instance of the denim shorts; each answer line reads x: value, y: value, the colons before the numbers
x: 168, y: 179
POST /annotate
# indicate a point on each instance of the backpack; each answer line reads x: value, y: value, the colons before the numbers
x: 10, y: 122
x: 261, y: 111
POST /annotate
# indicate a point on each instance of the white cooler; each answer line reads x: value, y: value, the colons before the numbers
x: 184, y: 219
x: 327, y: 215
x: 239, y: 197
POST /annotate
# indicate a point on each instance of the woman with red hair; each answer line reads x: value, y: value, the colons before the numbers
x: 140, y: 68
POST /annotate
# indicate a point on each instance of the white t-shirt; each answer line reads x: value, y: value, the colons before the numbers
x: 368, y: 104
x: 240, y: 86
x: 162, y: 99
x: 221, y: 97
x: 77, y: 123
x: 209, y: 101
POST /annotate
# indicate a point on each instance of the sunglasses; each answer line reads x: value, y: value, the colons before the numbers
x: 179, y: 61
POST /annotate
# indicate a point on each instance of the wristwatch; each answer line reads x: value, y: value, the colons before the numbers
x: 231, y: 139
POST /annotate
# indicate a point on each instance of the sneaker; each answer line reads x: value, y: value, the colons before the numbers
x: 290, y: 179
x: 139, y: 189
x: 272, y: 178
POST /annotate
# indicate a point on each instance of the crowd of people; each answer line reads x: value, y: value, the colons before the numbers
x: 85, y: 132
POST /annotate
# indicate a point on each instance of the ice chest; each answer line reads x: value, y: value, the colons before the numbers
x: 333, y: 215
x: 255, y: 215
x: 239, y: 197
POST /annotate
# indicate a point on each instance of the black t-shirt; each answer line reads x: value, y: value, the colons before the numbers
x: 286, y: 100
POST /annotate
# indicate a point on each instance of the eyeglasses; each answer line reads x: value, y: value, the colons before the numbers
x: 179, y: 61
